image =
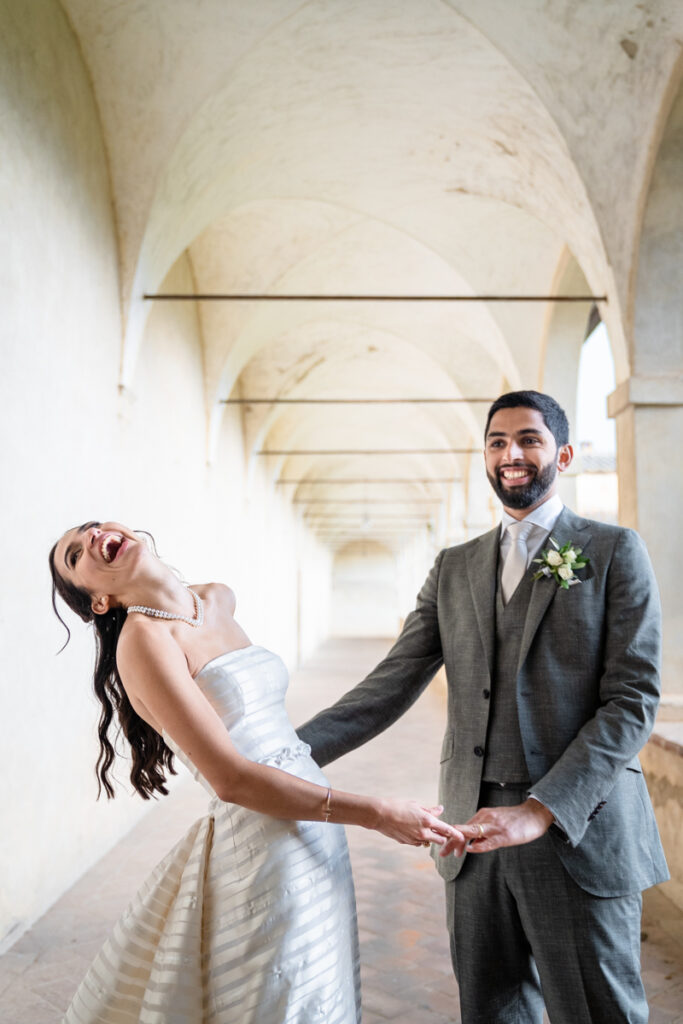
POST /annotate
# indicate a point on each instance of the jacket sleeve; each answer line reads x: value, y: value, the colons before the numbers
x: 579, y: 783
x: 389, y: 690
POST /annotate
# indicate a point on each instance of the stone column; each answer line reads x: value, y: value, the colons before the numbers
x: 648, y: 406
x: 649, y: 419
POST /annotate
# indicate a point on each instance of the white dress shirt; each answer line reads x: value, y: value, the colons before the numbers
x: 542, y: 519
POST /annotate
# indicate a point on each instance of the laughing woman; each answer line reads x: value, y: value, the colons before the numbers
x: 251, y: 917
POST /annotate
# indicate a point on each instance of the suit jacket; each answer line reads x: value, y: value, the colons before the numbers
x: 587, y: 694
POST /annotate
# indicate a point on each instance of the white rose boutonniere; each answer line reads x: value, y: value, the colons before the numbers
x: 561, y: 563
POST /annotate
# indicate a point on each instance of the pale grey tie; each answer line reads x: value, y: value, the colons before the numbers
x: 514, y: 566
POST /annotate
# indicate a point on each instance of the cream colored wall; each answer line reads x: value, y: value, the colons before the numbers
x: 597, y: 496
x: 74, y: 448
x: 374, y: 587
x: 61, y: 329
x: 364, y: 597
x: 223, y: 520
x: 413, y: 562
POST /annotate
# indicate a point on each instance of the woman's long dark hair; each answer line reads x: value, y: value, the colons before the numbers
x: 151, y: 757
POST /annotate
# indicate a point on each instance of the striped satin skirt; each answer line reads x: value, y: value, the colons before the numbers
x: 248, y: 920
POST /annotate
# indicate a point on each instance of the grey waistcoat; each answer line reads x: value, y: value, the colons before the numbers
x: 505, y: 760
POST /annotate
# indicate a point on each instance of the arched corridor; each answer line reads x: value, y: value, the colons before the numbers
x: 265, y: 266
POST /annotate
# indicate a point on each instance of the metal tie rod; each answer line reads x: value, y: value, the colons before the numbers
x: 353, y: 401
x: 374, y: 480
x: 366, y: 451
x: 240, y: 297
x: 367, y: 501
x: 352, y: 517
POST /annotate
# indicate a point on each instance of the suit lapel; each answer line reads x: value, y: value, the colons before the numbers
x: 482, y: 566
x: 569, y: 527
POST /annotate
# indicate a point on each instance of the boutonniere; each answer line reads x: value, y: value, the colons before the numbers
x: 560, y: 563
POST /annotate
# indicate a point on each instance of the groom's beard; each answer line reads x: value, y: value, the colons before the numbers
x: 523, y: 497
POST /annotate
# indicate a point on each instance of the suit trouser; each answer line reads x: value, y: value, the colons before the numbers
x: 523, y: 932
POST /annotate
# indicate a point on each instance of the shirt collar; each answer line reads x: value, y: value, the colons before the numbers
x: 545, y: 516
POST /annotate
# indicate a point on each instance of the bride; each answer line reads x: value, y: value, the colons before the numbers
x: 250, y: 919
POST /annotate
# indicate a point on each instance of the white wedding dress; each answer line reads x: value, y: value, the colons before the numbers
x: 249, y: 919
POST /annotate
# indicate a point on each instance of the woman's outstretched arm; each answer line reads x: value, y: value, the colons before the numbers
x: 154, y: 672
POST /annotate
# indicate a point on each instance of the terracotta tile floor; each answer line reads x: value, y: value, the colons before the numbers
x: 406, y: 968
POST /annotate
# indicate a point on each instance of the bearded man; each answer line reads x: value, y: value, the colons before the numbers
x: 553, y: 685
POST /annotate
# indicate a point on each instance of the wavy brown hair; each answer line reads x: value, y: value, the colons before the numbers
x: 152, y: 758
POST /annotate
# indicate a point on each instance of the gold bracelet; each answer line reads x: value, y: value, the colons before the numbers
x: 327, y: 808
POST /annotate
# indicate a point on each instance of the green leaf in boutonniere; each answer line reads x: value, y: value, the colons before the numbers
x: 561, y: 563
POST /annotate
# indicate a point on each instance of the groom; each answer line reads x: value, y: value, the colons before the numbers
x: 552, y: 691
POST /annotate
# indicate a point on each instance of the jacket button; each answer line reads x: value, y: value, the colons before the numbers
x: 479, y: 751
x: 486, y: 694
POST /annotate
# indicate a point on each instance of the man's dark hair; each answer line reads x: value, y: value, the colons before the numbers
x: 553, y: 414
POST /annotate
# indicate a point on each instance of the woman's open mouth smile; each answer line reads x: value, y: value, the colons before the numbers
x: 111, y: 546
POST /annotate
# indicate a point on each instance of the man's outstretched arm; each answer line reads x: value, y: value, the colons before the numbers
x: 389, y: 690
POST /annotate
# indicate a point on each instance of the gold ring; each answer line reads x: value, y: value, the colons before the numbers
x: 481, y: 831
x: 425, y: 844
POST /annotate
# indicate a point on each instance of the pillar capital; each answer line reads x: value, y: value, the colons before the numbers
x: 646, y: 391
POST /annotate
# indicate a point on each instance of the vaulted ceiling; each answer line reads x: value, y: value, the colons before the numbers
x: 427, y: 147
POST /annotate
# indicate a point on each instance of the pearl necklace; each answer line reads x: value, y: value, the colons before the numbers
x: 158, y: 614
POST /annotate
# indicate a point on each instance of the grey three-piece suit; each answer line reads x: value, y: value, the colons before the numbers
x: 585, y: 689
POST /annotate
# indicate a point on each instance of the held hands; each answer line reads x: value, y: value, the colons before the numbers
x: 490, y: 828
x: 494, y: 827
x: 408, y: 822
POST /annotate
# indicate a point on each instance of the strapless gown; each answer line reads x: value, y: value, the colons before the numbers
x: 249, y: 919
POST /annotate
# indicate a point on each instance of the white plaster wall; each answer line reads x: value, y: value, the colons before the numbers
x: 364, y: 596
x: 597, y: 496
x: 60, y: 329
x: 73, y: 448
x: 282, y: 575
x: 374, y: 588
x: 315, y: 592
x: 224, y: 520
x: 413, y: 564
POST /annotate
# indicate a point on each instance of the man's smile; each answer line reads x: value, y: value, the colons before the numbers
x: 516, y: 474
